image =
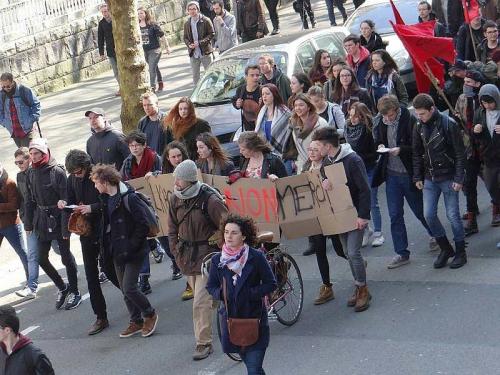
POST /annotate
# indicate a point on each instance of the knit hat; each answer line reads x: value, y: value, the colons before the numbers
x: 40, y: 144
x: 187, y: 171
x: 459, y: 65
x: 197, y: 4
x: 475, y: 75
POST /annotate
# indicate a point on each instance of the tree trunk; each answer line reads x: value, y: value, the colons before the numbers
x: 132, y: 69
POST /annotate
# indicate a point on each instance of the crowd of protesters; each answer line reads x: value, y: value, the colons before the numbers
x: 354, y: 112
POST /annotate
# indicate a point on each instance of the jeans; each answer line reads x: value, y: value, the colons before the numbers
x: 331, y: 14
x: 67, y: 259
x: 196, y: 63
x: 491, y: 176
x: 253, y: 361
x: 319, y: 244
x: 397, y: 189
x: 152, y: 58
x: 472, y: 170
x: 166, y: 246
x: 137, y: 304
x: 432, y: 192
x: 90, y: 252
x: 306, y: 10
x: 15, y: 235
x: 114, y: 66
x: 146, y: 267
x: 272, y: 6
x: 33, y: 259
x: 351, y: 242
x: 374, y: 208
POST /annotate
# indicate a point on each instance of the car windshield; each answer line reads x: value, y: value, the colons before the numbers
x: 222, y: 78
x: 381, y: 13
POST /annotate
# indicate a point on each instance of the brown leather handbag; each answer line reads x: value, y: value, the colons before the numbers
x: 242, y: 332
x: 79, y: 224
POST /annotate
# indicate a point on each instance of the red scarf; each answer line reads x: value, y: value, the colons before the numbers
x: 146, y: 164
x: 44, y: 160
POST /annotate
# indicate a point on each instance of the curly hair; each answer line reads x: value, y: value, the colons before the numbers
x: 246, y: 224
x: 106, y: 173
x: 77, y: 159
x: 167, y: 167
x: 178, y: 125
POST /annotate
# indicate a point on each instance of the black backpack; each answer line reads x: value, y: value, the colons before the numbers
x: 202, y: 203
x: 151, y: 216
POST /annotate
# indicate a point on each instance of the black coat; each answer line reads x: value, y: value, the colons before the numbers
x: 489, y: 146
x: 245, y: 298
x: 189, y: 139
x: 105, y: 37
x: 127, y: 235
x: 374, y: 43
x: 42, y: 214
x: 404, y: 140
x: 365, y: 148
x: 464, y: 45
x: 25, y: 359
x: 22, y: 187
x: 271, y: 164
x: 454, y: 12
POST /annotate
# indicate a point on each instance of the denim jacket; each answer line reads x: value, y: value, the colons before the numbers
x: 28, y: 115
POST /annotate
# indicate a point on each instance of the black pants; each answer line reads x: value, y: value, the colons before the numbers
x: 472, y: 170
x: 90, y: 252
x: 491, y: 177
x: 67, y: 259
x: 305, y: 10
x: 319, y: 243
x: 272, y: 6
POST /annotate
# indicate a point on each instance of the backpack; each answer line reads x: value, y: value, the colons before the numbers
x: 151, y: 217
x: 23, y: 94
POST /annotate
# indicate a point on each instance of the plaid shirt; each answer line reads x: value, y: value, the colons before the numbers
x: 17, y: 129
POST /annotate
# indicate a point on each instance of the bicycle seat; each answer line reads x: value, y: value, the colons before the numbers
x: 264, y: 237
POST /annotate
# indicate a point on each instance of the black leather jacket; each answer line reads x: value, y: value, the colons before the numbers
x: 440, y: 155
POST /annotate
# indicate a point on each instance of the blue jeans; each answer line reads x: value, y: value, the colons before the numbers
x: 166, y: 246
x: 432, y: 191
x: 33, y: 259
x: 253, y: 361
x: 15, y: 235
x: 374, y: 209
x: 397, y: 189
x: 145, y: 269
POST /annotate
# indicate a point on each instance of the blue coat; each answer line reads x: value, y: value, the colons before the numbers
x: 28, y: 115
x: 245, y: 298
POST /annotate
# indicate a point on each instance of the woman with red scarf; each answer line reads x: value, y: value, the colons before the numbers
x: 142, y: 162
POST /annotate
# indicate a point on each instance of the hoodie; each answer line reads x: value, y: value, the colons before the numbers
x: 362, y: 66
x: 489, y: 141
x: 108, y: 147
x: 357, y: 179
x: 24, y: 359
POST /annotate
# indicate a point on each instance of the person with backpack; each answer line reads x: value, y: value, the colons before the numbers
x: 194, y: 215
x: 20, y: 109
x: 127, y: 222
x: 47, y: 185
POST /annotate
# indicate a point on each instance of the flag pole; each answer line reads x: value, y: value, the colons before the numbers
x: 438, y: 88
x: 473, y: 44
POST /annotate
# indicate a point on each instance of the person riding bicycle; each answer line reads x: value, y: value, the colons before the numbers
x: 246, y: 277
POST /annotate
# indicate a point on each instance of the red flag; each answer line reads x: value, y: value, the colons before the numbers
x: 417, y: 39
x: 397, y: 16
x: 471, y: 10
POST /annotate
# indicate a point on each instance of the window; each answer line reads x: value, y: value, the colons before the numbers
x: 327, y: 42
x: 305, y: 57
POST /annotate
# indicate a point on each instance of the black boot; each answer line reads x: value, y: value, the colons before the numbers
x: 144, y: 285
x: 311, y: 250
x: 446, y: 252
x: 460, y: 255
x: 471, y: 226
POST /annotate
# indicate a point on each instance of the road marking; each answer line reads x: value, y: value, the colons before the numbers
x: 85, y: 296
x: 29, y: 329
x: 19, y: 311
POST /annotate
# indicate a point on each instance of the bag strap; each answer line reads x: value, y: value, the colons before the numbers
x: 224, y: 293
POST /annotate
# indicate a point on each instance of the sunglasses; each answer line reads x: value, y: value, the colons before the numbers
x: 20, y: 162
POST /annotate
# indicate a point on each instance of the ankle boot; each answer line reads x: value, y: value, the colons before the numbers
x: 470, y: 226
x: 363, y: 300
x: 351, y: 302
x: 311, y: 250
x: 446, y: 252
x: 144, y: 285
x: 160, y: 86
x: 325, y: 294
x: 495, y: 217
x: 460, y: 255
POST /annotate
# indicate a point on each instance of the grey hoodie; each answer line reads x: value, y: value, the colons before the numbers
x: 491, y: 116
x: 108, y: 147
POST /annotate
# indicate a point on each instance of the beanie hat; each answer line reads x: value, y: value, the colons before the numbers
x: 197, y: 4
x: 475, y: 75
x: 40, y: 144
x: 187, y: 171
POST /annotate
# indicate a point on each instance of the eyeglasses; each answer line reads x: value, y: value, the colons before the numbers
x: 492, y: 32
x: 345, y: 75
x: 19, y: 162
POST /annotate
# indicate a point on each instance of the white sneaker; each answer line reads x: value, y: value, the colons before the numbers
x: 378, y: 239
x: 366, y: 236
x: 26, y: 293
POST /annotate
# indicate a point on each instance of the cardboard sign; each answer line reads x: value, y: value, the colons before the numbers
x: 162, y: 187
x: 141, y: 185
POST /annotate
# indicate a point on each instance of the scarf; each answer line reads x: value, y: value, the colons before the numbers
x: 43, y: 161
x: 307, y: 127
x: 145, y: 165
x: 381, y: 85
x: 353, y: 134
x: 234, y: 260
x: 189, y: 192
x: 396, y: 120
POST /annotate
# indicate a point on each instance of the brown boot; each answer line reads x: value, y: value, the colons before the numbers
x: 149, y: 326
x: 325, y: 294
x: 351, y: 302
x: 98, y: 326
x: 132, y: 329
x: 363, y: 300
x: 495, y: 216
x: 160, y: 86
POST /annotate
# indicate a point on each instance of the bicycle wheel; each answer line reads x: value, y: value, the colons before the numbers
x: 290, y: 292
x: 234, y: 356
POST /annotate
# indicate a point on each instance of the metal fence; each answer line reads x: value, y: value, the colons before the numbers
x: 19, y: 18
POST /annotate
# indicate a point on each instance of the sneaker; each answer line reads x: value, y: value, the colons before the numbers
x: 103, y: 278
x: 398, y: 261
x: 98, y: 326
x: 378, y: 239
x: 149, y: 325
x: 61, y: 298
x: 144, y: 285
x: 275, y: 31
x: 176, y: 274
x: 366, y: 236
x: 187, y: 294
x: 73, y: 301
x: 433, y: 245
x: 202, y: 351
x: 132, y: 329
x: 26, y: 293
x: 158, y: 254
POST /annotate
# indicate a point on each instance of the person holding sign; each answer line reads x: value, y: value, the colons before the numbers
x: 212, y: 158
x: 357, y: 181
x: 240, y: 276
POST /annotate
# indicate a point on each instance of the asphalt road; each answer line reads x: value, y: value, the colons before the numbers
x: 421, y: 321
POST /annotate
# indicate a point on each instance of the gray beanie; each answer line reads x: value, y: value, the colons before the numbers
x: 197, y: 4
x: 187, y: 171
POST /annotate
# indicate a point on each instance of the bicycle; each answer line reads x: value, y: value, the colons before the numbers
x: 286, y: 302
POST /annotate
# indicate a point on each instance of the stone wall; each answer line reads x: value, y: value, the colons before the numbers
x: 60, y: 56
